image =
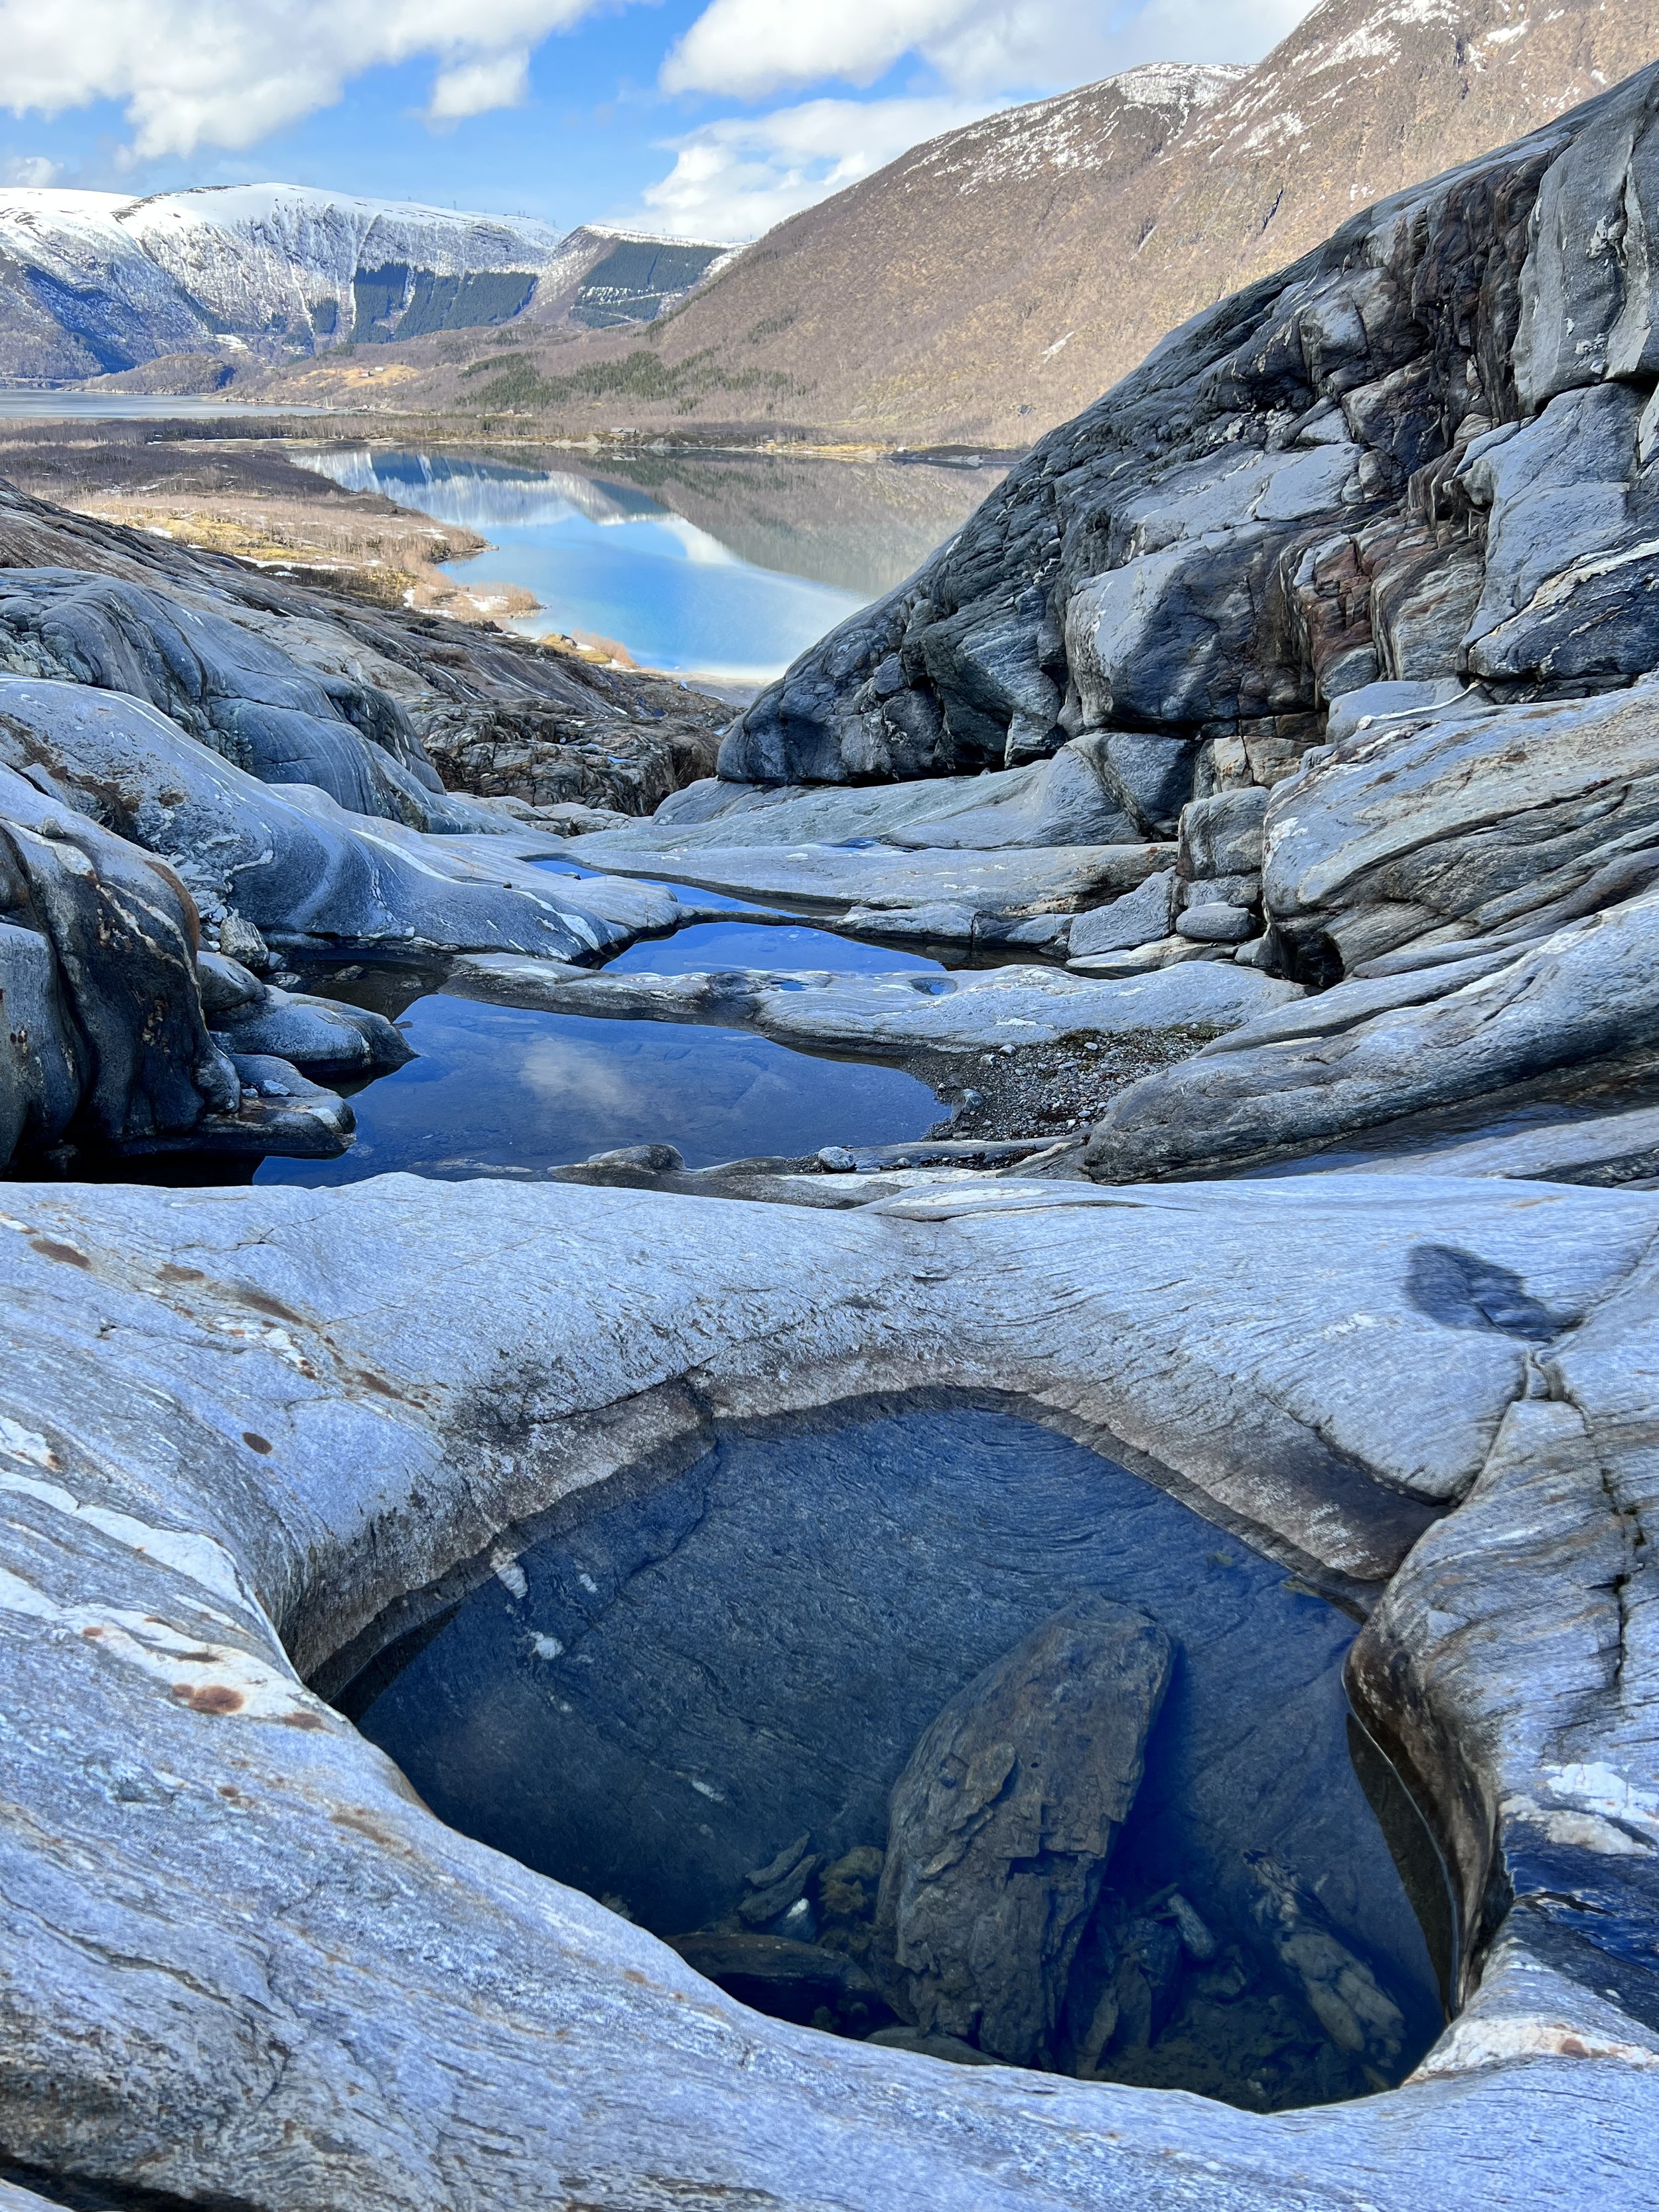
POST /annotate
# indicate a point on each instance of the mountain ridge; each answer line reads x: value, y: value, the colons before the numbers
x: 1362, y: 99
x: 99, y: 283
x: 988, y: 284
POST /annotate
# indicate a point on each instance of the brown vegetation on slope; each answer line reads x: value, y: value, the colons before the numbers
x: 985, y: 287
x: 250, y: 500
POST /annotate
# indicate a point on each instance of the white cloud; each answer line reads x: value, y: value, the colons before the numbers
x: 752, y: 47
x: 747, y: 49
x: 29, y: 170
x: 476, y: 87
x: 194, y: 73
x: 736, y: 178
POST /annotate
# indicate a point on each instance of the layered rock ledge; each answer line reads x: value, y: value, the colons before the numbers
x: 245, y: 1442
x: 1323, y: 644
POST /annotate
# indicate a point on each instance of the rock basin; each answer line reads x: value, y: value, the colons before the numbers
x: 654, y: 1697
x: 250, y: 1429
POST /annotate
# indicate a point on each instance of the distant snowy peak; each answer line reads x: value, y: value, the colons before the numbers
x: 1075, y: 131
x: 78, y: 294
x: 605, y: 276
x: 90, y: 282
x: 304, y: 267
x: 252, y: 252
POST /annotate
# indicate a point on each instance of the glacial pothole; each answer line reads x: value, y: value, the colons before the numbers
x: 934, y: 1727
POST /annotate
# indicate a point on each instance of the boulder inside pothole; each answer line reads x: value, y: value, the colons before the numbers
x: 937, y: 1729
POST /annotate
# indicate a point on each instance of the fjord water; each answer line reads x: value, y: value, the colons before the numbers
x: 23, y: 403
x: 677, y: 1680
x: 724, y: 568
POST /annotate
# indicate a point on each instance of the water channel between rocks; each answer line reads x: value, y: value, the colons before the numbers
x: 693, y: 1699
x: 728, y: 566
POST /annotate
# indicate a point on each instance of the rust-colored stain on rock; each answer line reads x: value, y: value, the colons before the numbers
x: 208, y: 1697
x: 49, y: 1249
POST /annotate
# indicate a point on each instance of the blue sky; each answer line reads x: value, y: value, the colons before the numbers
x: 709, y: 118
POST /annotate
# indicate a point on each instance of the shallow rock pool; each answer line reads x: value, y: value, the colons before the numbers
x: 494, y: 1091
x: 692, y: 1699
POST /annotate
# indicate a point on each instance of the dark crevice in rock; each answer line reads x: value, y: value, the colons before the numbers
x: 81, y: 2193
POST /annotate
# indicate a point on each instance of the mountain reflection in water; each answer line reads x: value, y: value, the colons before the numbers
x: 722, y: 567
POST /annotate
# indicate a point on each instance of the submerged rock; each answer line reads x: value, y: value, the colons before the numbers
x: 1342, y: 1992
x: 788, y: 1979
x: 1000, y: 1827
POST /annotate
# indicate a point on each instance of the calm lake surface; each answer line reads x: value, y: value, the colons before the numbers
x: 725, y: 568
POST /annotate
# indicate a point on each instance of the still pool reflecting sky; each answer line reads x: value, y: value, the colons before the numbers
x: 496, y: 1088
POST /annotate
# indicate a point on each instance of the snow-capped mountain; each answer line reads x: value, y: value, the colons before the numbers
x: 91, y: 282
x: 1076, y: 130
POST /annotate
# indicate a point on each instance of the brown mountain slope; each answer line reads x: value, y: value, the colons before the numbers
x: 987, y: 285
x: 910, y: 280
x: 961, y: 295
x: 885, y: 307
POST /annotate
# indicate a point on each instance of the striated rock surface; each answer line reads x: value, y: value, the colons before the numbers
x: 242, y: 1440
x: 235, y: 691
x: 593, y: 734
x: 104, y: 1024
x: 307, y: 873
x: 1000, y: 1827
x: 1365, y: 553
x: 901, y: 1016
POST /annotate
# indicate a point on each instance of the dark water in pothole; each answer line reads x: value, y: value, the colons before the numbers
x: 675, y: 1686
